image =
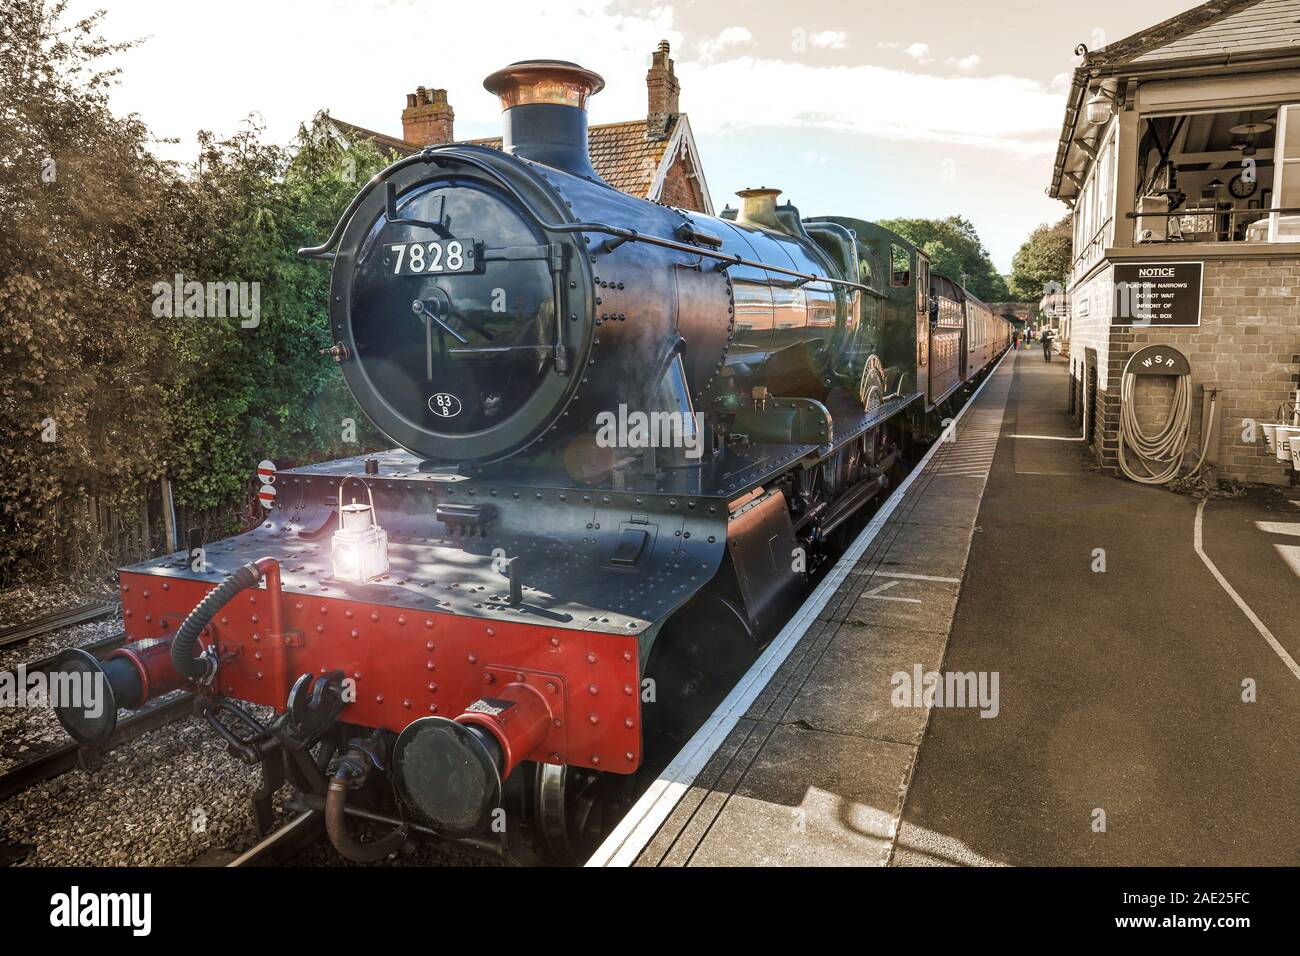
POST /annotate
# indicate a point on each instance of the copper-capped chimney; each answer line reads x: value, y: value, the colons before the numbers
x: 544, y: 116
x: 758, y: 208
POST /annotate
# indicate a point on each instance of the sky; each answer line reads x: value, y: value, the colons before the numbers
x: 851, y: 107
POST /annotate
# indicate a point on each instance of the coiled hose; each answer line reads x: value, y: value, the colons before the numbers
x: 183, y: 658
x: 1159, y: 455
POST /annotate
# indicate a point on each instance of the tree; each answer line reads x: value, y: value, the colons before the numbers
x: 105, y: 386
x: 87, y: 220
x: 955, y: 250
x: 1041, y: 265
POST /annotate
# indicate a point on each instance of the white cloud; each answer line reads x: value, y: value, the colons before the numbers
x: 730, y: 38
x: 964, y: 63
x: 830, y: 40
x: 1060, y: 83
x: 1002, y: 112
x: 1005, y: 113
x: 920, y: 52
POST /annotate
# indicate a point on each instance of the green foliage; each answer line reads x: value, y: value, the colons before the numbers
x: 1042, y: 263
x: 955, y: 250
x: 92, y: 226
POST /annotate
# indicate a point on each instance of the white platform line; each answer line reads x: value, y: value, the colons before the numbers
x: 914, y: 577
x: 1052, y: 437
x: 1251, y: 616
x: 642, y: 822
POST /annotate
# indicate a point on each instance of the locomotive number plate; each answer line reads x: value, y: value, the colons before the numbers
x: 431, y: 258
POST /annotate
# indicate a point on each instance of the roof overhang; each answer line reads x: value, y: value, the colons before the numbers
x: 1090, y: 75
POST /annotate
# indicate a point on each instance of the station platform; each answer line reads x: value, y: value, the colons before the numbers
x: 1115, y: 666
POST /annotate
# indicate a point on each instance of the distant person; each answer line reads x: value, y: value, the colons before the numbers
x: 1047, y: 345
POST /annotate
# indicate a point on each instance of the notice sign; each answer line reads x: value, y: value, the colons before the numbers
x: 1158, y: 293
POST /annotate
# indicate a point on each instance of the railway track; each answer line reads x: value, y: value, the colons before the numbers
x: 18, y: 633
x: 97, y: 648
x: 280, y: 847
x: 71, y: 755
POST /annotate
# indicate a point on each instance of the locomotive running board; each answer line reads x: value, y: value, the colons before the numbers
x: 642, y: 822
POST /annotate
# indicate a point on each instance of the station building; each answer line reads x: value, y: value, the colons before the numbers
x: 654, y: 157
x: 1180, y: 158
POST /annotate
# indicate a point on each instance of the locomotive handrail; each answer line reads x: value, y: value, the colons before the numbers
x: 429, y: 155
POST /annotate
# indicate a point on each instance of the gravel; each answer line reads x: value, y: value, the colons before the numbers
x: 161, y: 800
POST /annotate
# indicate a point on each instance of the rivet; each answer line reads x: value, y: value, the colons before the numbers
x: 355, y: 633
x: 433, y: 688
x: 374, y: 615
x: 473, y: 659
x: 489, y: 679
x: 430, y: 666
x: 428, y: 645
x: 627, y: 655
x: 629, y: 723
x: 630, y: 756
x: 433, y: 708
x: 401, y: 620
x: 627, y: 689
x: 593, y: 718
x: 595, y: 759
x: 550, y: 687
x: 379, y: 698
x: 591, y: 658
x: 593, y: 689
x: 491, y: 632
x: 407, y: 703
x: 555, y: 642
x: 428, y: 622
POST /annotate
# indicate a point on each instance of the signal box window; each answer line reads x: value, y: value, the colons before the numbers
x: 900, y: 268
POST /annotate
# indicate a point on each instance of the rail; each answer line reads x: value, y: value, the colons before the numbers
x: 54, y: 621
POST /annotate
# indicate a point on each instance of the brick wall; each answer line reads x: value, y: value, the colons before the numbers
x: 1247, y: 346
x: 679, y: 190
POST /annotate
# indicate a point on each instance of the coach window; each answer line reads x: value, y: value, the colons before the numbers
x: 900, y: 267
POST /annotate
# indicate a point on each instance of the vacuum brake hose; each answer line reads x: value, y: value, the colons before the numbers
x: 183, y: 658
x: 1160, y: 455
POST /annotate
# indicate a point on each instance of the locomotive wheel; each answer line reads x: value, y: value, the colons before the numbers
x: 693, y: 664
x: 575, y: 808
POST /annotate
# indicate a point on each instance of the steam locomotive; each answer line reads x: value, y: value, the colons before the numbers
x: 628, y: 436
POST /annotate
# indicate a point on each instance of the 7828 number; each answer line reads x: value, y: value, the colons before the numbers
x: 422, y: 258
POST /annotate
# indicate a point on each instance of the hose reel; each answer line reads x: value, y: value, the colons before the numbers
x: 1160, y: 456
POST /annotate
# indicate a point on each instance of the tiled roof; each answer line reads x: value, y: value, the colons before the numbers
x: 620, y: 152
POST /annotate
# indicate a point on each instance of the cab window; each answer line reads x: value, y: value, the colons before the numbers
x: 900, y: 266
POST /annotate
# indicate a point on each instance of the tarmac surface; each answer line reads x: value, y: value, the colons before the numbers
x: 1121, y: 690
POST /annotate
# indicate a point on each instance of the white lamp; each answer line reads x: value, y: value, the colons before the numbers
x: 1097, y: 110
x: 360, y: 545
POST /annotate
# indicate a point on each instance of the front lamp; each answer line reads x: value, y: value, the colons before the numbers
x: 360, y: 545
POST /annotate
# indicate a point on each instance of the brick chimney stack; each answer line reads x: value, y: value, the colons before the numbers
x: 663, y: 90
x: 428, y: 118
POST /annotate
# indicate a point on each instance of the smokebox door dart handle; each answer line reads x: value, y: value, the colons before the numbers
x: 428, y: 311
